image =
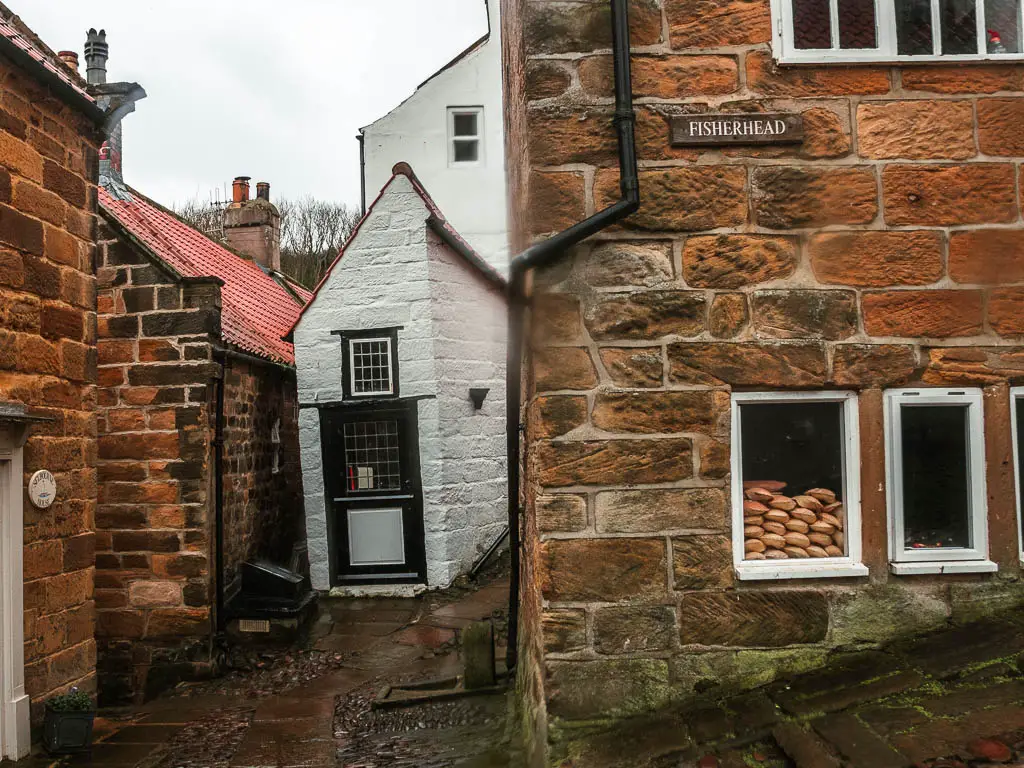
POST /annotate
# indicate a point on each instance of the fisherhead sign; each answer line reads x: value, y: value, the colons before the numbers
x: 742, y: 128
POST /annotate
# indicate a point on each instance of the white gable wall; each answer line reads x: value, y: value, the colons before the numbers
x: 390, y: 276
x: 470, y: 323
x: 416, y: 132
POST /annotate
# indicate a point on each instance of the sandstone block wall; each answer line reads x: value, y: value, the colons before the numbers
x: 262, y: 505
x: 154, y: 522
x: 48, y: 171
x: 884, y: 250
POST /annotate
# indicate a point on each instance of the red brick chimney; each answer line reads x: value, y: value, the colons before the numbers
x: 253, y: 227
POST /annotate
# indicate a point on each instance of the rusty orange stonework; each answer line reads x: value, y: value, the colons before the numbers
x: 49, y: 158
x: 887, y: 249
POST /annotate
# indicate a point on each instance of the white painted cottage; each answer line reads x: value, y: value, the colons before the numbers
x: 400, y: 357
x: 451, y: 130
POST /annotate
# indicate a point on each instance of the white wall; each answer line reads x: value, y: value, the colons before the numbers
x: 416, y: 132
x: 469, y: 344
x: 397, y: 273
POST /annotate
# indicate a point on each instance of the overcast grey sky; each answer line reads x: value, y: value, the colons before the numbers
x: 264, y: 88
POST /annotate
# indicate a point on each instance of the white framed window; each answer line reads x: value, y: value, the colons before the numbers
x: 465, y: 136
x: 1017, y: 420
x: 796, y: 485
x: 370, y: 367
x: 935, y: 474
x: 823, y: 31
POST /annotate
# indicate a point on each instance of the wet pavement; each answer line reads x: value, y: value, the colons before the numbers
x: 310, y: 706
x: 950, y: 699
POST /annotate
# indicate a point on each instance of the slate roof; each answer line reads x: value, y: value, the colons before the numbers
x: 256, y: 311
x: 435, y: 221
x: 14, y: 30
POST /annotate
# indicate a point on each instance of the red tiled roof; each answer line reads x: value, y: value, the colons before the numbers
x: 14, y: 30
x: 435, y: 219
x: 256, y: 311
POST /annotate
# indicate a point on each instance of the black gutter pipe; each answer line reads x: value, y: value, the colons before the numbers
x: 549, y: 251
x: 218, y: 492
x: 361, y: 138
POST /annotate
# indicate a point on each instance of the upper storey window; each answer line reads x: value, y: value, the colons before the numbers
x: 465, y: 135
x: 897, y: 30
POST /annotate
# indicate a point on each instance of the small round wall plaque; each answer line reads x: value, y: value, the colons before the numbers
x: 42, y: 489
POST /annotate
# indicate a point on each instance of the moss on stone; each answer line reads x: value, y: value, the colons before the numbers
x: 971, y: 602
x: 882, y: 612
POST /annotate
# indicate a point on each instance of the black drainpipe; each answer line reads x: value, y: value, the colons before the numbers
x: 361, y: 138
x: 547, y: 252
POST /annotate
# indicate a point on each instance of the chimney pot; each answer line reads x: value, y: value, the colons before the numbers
x: 240, y: 189
x: 263, y: 190
x: 96, y: 54
x: 70, y: 58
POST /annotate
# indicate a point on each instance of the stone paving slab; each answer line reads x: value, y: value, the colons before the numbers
x: 806, y: 748
x: 856, y: 742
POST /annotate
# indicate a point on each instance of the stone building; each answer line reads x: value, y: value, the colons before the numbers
x: 843, y: 315
x: 198, y: 445
x: 197, y: 421
x: 400, y: 361
x: 49, y: 143
x: 451, y: 130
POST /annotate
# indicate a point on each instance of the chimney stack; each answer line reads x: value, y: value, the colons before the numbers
x: 96, y: 54
x: 253, y: 227
x: 70, y: 58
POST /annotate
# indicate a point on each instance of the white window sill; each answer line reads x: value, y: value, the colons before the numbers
x: 828, y: 58
x: 950, y: 566
x: 799, y: 570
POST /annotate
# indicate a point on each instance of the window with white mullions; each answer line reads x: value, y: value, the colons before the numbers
x: 465, y: 134
x: 370, y: 366
x: 935, y: 464
x: 823, y: 31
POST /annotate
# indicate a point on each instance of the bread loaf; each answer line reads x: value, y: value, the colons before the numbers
x: 808, y: 502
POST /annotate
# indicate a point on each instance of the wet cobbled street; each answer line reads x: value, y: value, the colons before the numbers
x: 312, y: 705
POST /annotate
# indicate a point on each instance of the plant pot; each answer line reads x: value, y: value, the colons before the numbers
x: 67, y: 732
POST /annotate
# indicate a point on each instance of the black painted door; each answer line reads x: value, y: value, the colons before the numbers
x: 375, y: 500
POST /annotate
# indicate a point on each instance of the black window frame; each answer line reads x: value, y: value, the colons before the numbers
x: 347, y: 337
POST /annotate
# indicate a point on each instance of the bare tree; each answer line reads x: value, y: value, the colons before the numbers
x: 312, y: 231
x: 207, y: 217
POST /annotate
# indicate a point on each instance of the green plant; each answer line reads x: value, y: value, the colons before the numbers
x: 74, y: 701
